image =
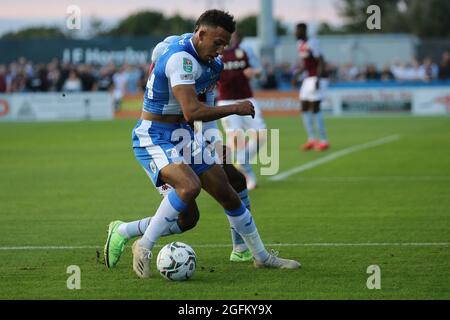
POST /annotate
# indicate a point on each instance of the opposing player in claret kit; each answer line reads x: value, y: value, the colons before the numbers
x: 185, y: 69
x: 312, y: 89
x: 240, y: 66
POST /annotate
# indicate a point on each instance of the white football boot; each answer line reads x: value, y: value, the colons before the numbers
x: 274, y: 262
x: 141, y: 260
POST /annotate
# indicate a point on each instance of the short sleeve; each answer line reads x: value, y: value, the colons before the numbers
x: 182, y: 68
x: 162, y: 46
x: 159, y: 50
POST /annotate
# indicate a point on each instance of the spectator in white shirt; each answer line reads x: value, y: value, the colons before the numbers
x: 72, y: 83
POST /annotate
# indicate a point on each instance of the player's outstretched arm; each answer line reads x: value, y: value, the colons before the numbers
x: 252, y: 72
x: 194, y: 110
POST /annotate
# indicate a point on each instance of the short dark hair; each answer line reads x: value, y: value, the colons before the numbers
x: 301, y: 26
x: 217, y: 18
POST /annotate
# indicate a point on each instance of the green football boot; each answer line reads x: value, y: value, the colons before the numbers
x: 114, y: 244
x: 241, y: 256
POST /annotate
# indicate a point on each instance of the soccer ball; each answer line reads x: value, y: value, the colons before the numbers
x: 176, y: 261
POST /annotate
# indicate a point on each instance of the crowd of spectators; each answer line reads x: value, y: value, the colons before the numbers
x: 25, y: 76
x: 424, y: 71
x: 414, y: 71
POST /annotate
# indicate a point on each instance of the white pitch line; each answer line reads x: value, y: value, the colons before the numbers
x: 334, y: 156
x: 32, y: 248
x: 318, y: 244
x: 377, y: 179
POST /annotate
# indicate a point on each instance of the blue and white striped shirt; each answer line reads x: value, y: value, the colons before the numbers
x: 179, y: 64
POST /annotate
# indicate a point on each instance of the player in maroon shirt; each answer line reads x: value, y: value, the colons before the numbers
x: 311, y: 92
x: 240, y: 66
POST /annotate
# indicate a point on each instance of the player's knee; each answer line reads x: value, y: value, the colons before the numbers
x: 189, y: 191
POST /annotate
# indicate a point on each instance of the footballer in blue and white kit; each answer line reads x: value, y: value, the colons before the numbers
x: 158, y: 144
x: 185, y: 69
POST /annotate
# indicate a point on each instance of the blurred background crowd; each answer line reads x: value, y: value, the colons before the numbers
x: 128, y: 79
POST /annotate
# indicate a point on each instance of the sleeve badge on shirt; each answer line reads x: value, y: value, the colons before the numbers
x: 189, y: 76
x: 187, y: 65
x: 239, y: 53
x: 172, y: 153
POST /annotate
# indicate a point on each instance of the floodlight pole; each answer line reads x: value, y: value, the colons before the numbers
x: 266, y: 31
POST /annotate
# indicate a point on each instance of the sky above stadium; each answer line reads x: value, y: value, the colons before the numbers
x: 23, y: 13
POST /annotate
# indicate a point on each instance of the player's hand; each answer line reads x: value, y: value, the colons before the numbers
x: 248, y: 72
x: 245, y: 108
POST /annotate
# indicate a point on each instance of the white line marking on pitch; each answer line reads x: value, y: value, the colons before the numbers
x: 319, y: 244
x: 334, y: 156
x: 377, y: 179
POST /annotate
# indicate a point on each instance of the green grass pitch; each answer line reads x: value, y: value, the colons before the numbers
x: 62, y: 183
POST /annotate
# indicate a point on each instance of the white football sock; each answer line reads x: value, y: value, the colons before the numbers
x: 321, y: 125
x: 239, y: 243
x: 165, y: 216
x: 137, y: 228
x: 173, y: 229
x: 246, y: 227
x: 309, y: 125
x: 134, y: 228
